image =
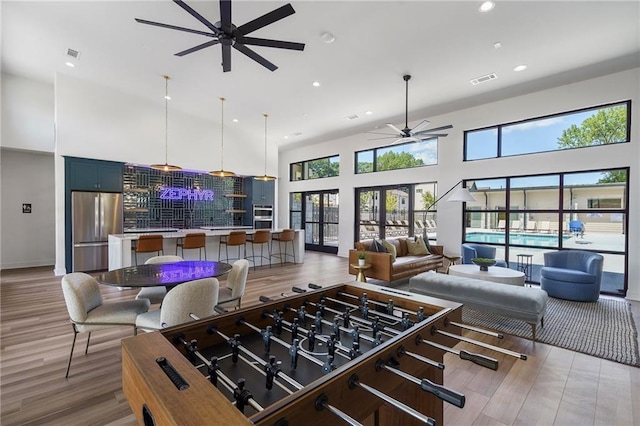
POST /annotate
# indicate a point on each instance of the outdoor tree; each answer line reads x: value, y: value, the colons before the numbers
x: 607, y: 126
x: 427, y: 199
x: 323, y: 168
x: 400, y: 160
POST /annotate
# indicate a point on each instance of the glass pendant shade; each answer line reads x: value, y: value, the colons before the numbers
x: 166, y: 167
x: 222, y: 172
x: 265, y: 177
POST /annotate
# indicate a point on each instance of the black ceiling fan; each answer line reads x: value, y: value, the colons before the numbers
x: 225, y: 33
x: 418, y: 133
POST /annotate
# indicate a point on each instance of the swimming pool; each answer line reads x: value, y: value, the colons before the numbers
x: 540, y: 240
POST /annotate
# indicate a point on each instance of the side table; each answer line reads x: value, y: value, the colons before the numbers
x: 361, y: 277
x: 452, y: 261
x: 525, y: 265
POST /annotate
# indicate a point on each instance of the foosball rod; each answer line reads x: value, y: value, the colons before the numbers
x: 478, y: 359
x: 355, y: 382
x: 322, y: 402
x: 226, y: 381
x: 451, y: 396
x: 381, y: 304
x: 279, y: 341
x: 435, y: 330
x: 356, y: 307
x: 447, y: 321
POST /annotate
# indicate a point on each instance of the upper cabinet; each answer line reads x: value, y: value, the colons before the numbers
x: 83, y: 174
x: 262, y: 193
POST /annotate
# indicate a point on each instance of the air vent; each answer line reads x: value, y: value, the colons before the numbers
x: 484, y: 79
x: 353, y: 117
x: 73, y: 53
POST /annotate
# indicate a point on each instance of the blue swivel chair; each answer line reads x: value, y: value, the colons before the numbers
x: 471, y: 250
x: 572, y: 275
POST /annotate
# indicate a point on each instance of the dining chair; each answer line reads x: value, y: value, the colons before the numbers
x: 236, y: 284
x: 191, y: 241
x: 261, y: 238
x: 149, y: 244
x: 286, y: 237
x: 198, y: 297
x: 156, y: 294
x: 234, y: 239
x: 88, y: 312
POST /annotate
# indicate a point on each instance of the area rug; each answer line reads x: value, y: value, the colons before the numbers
x: 604, y: 329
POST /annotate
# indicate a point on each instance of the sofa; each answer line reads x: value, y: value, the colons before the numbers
x: 572, y: 275
x: 471, y: 250
x: 405, y: 265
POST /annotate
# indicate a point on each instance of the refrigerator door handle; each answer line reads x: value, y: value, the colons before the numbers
x: 96, y: 221
x: 101, y: 217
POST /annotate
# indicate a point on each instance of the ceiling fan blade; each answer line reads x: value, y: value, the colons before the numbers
x: 225, y: 15
x: 199, y: 17
x: 424, y: 136
x: 173, y: 27
x: 226, y: 58
x: 405, y: 140
x: 448, y: 126
x: 253, y: 41
x: 198, y: 47
x: 253, y: 55
x: 420, y: 126
x: 395, y: 128
x: 267, y: 18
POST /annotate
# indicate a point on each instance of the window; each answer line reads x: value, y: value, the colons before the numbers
x: 315, y: 169
x: 604, y: 203
x: 394, y: 157
x: 600, y: 125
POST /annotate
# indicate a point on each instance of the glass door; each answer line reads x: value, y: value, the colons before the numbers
x: 321, y: 212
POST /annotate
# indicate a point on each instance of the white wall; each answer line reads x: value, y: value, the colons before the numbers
x: 27, y: 239
x: 451, y: 168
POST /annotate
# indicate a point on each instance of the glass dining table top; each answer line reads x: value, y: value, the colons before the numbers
x: 163, y: 274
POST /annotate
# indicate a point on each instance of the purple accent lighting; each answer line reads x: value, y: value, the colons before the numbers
x: 171, y: 193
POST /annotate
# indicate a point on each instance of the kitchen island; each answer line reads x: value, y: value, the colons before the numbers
x: 121, y: 255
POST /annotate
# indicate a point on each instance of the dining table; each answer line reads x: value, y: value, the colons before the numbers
x: 168, y: 275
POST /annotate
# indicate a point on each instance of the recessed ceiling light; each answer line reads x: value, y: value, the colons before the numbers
x: 316, y: 84
x: 167, y: 97
x: 486, y: 6
x: 368, y: 112
x: 286, y: 137
x: 327, y: 37
x: 520, y: 68
x: 70, y: 64
x: 235, y: 120
x: 497, y: 45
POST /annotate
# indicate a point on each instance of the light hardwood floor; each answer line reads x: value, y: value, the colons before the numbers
x: 553, y: 387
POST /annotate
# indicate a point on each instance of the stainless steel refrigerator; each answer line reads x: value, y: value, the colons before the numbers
x: 94, y: 215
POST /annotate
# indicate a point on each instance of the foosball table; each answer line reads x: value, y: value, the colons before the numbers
x: 353, y: 353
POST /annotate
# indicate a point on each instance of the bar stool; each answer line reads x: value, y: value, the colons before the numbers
x: 149, y: 244
x: 286, y: 237
x: 234, y: 239
x: 260, y: 237
x: 195, y: 240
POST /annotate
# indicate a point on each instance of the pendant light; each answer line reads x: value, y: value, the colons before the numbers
x: 265, y: 177
x: 222, y: 172
x: 166, y: 167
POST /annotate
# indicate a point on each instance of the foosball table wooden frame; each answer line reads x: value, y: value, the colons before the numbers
x: 155, y: 399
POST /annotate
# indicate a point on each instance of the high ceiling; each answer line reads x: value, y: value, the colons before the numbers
x: 443, y: 45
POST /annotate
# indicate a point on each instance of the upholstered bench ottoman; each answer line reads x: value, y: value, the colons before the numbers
x: 523, y: 303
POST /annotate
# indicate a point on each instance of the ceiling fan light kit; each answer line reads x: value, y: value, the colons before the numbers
x: 228, y: 36
x: 166, y: 167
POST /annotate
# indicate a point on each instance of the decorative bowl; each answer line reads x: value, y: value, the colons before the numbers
x: 483, y: 262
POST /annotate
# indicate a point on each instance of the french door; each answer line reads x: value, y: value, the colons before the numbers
x: 320, y: 223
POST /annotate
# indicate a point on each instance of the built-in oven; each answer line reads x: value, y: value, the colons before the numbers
x: 262, y: 216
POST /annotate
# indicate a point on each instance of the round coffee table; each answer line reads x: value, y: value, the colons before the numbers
x: 495, y: 273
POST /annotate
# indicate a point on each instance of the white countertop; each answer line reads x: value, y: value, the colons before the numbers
x: 180, y: 233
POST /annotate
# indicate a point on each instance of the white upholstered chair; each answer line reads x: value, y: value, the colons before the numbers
x: 231, y: 295
x: 157, y: 293
x: 88, y: 312
x: 198, y: 297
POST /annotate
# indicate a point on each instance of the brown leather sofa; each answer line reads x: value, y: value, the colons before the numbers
x: 405, y: 265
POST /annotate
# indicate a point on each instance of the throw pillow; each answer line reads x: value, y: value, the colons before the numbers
x: 424, y: 243
x: 416, y: 249
x: 377, y: 246
x: 391, y: 249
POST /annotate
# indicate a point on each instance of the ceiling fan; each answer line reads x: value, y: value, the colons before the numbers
x: 418, y: 133
x: 225, y: 33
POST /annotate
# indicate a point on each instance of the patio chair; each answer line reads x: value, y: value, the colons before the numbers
x: 531, y: 226
x: 544, y: 226
x: 501, y: 225
x: 515, y: 225
x: 576, y: 227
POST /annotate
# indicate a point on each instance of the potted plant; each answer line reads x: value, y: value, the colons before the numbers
x: 362, y: 257
x: 483, y: 262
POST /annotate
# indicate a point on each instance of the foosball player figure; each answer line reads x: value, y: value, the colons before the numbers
x: 336, y: 327
x: 320, y: 307
x: 277, y: 316
x: 420, y: 314
x: 390, y: 307
x: 311, y: 338
x: 318, y: 322
x: 271, y: 370
x: 346, y: 318
x: 406, y: 323
x: 241, y: 395
x: 293, y: 353
x: 294, y: 329
x: 302, y: 315
x: 266, y: 338
x: 328, y: 365
x: 365, y: 312
x: 354, y: 352
x: 192, y: 348
x: 234, y: 342
x: 377, y: 339
x: 355, y: 334
x: 331, y: 344
x: 375, y: 326
x: 212, y: 369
